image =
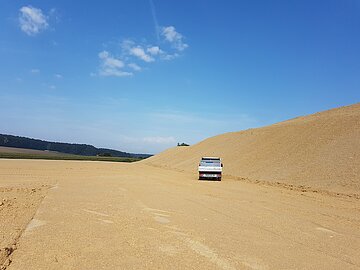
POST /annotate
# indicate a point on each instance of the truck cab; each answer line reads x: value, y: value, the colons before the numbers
x: 210, y: 168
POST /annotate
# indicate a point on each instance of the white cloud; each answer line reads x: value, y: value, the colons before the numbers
x: 141, y: 54
x: 111, y: 66
x: 134, y: 66
x: 154, y: 50
x: 175, y: 38
x: 126, y: 45
x: 159, y: 140
x: 32, y: 20
x: 110, y: 61
x: 52, y: 87
x: 150, y: 53
x: 132, y: 53
x: 35, y: 70
x: 130, y: 48
x: 164, y: 140
x: 58, y: 76
x: 54, y: 13
x: 114, y: 72
x: 169, y: 56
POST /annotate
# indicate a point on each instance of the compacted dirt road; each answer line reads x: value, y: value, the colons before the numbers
x: 93, y: 215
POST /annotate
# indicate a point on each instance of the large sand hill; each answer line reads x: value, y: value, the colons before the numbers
x: 320, y: 151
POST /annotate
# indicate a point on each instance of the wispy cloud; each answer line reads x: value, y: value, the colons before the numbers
x: 155, y: 20
x: 141, y: 54
x: 154, y: 50
x: 54, y: 13
x: 58, y: 76
x: 133, y: 55
x: 32, y: 20
x: 111, y: 66
x: 159, y: 140
x: 35, y: 71
x: 134, y: 66
x: 153, y: 140
x: 175, y: 38
x: 211, y: 120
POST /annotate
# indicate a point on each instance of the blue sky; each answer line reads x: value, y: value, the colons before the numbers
x: 142, y: 75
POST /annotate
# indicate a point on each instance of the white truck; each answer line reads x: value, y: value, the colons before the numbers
x: 210, y: 168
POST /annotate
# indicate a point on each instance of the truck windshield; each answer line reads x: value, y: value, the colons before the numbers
x: 210, y: 163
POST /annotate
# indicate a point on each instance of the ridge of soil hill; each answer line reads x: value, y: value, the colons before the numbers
x: 321, y: 151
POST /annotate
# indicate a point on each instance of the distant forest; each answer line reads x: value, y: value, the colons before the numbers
x: 68, y: 148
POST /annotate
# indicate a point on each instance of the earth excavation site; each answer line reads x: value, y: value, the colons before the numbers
x: 289, y: 199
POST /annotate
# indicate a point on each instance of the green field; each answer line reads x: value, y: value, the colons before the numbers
x: 65, y: 157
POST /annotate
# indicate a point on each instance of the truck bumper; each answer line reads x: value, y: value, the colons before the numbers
x: 210, y: 175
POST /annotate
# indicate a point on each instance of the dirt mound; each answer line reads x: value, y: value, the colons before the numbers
x: 321, y: 151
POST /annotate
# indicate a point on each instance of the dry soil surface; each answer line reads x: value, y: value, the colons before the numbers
x: 93, y: 215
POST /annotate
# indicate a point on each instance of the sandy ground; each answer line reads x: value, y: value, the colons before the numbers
x: 134, y: 216
x: 20, y: 196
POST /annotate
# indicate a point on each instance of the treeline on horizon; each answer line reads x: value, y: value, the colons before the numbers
x: 68, y: 148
